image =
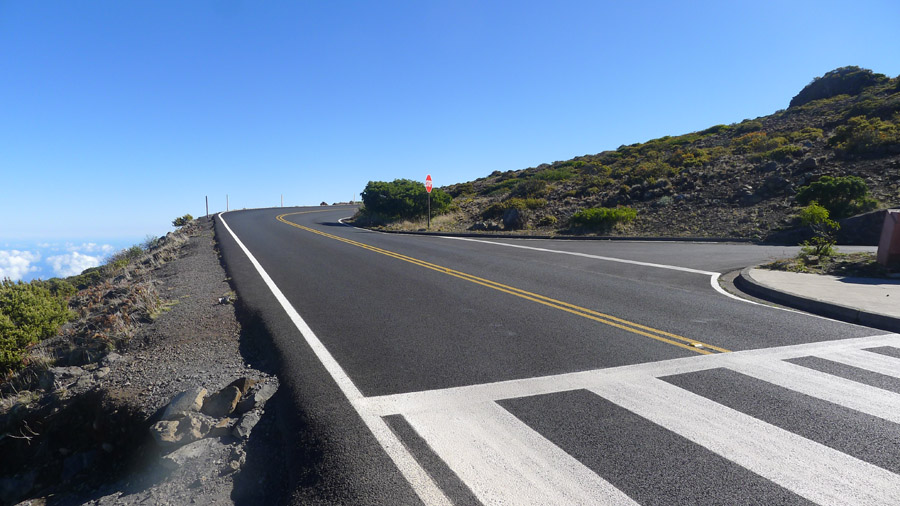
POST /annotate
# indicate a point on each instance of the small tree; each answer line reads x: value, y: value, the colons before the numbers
x: 842, y: 196
x: 822, y: 243
x: 182, y: 220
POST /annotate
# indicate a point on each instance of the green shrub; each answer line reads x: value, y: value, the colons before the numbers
x: 778, y: 154
x: 560, y: 174
x: 502, y: 186
x: 182, y: 220
x: 866, y: 136
x: 497, y: 209
x: 548, y: 221
x: 530, y: 189
x: 403, y: 199
x: 715, y: 129
x: 603, y: 218
x: 748, y: 126
x: 756, y: 142
x: 822, y: 243
x: 842, y: 196
x: 29, y: 312
x: 806, y: 134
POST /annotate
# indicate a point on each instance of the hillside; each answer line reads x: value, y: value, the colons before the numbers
x: 737, y: 180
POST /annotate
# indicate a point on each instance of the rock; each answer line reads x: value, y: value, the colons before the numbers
x: 13, y: 488
x: 769, y: 167
x: 485, y: 226
x: 101, y: 372
x: 186, y: 453
x: 74, y: 465
x: 190, y: 428
x: 243, y: 384
x: 808, y: 164
x: 257, y: 398
x: 111, y: 358
x: 243, y: 428
x: 237, y: 460
x: 164, y: 432
x: 513, y: 219
x: 222, y: 403
x: 222, y: 428
x: 193, y: 426
x: 58, y: 377
x: 184, y: 403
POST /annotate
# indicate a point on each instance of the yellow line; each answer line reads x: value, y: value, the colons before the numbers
x: 597, y: 316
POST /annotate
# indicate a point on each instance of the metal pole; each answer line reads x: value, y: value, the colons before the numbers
x: 207, y: 207
x: 429, y: 210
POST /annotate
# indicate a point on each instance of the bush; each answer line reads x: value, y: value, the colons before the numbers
x: 822, y: 243
x: 866, y: 136
x: 182, y: 220
x: 841, y: 196
x: 603, y: 218
x: 29, y: 312
x: 402, y: 199
x: 497, y: 209
x: 531, y: 189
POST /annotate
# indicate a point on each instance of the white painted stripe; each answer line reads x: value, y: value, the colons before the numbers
x: 459, y: 396
x: 503, y: 461
x: 421, y: 482
x: 713, y: 276
x: 875, y: 362
x: 841, y: 391
x: 807, y: 468
x: 586, y: 255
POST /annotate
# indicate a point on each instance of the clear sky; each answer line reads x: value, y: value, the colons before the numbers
x: 119, y: 116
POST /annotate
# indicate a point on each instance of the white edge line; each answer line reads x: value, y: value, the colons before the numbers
x: 417, y: 477
x: 586, y: 255
x: 713, y: 276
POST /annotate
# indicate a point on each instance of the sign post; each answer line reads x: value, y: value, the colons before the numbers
x: 428, y: 189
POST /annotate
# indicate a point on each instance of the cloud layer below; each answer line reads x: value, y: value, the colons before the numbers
x: 46, y: 260
x: 15, y: 264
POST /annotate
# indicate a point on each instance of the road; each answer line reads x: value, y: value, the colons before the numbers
x: 438, y: 370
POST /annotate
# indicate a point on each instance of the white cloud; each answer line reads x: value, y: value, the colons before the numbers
x: 72, y: 263
x: 90, y: 247
x: 15, y: 264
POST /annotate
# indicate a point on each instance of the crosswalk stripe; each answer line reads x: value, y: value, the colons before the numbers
x: 485, y: 445
x: 875, y: 362
x: 844, y: 392
x: 504, y: 461
x: 807, y: 468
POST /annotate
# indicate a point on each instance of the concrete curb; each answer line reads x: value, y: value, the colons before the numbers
x: 745, y: 282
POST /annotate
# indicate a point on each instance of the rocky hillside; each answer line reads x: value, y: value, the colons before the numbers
x: 737, y: 180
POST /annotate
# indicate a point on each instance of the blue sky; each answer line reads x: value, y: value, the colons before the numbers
x: 119, y: 116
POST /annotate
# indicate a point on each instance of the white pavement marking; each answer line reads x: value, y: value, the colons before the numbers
x: 474, y: 435
x: 713, y: 276
x: 844, y: 392
x: 486, y: 445
x: 807, y: 468
x: 586, y: 255
x: 876, y: 362
x: 421, y: 482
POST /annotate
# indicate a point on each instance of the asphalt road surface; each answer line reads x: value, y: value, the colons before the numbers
x: 426, y: 369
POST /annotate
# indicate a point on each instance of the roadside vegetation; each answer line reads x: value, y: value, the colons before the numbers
x: 839, y: 139
x: 87, y: 314
x: 402, y: 199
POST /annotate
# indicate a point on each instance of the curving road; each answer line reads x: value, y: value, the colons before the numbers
x: 502, y: 371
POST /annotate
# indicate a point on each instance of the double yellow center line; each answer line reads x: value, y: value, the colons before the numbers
x: 659, y: 335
